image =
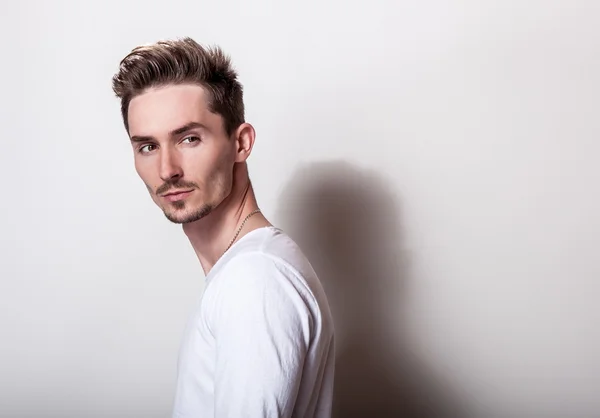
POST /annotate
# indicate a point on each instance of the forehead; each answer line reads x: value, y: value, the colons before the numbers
x: 162, y: 109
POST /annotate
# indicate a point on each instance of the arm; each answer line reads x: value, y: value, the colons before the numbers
x: 262, y: 331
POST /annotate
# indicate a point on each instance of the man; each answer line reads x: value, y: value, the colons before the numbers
x: 261, y: 342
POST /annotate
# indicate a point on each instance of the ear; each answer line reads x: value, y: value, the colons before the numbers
x: 244, y: 138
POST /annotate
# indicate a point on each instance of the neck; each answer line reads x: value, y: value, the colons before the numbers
x: 211, y: 235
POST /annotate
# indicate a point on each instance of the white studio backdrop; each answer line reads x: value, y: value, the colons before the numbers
x: 438, y: 160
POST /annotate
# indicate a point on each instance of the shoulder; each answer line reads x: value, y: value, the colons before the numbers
x: 256, y: 270
x: 256, y: 286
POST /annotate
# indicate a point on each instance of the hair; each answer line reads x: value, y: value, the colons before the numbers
x: 182, y: 61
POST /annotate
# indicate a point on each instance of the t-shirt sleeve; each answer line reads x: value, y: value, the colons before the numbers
x: 262, y: 331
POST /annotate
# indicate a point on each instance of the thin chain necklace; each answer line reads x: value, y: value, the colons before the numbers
x: 240, y: 229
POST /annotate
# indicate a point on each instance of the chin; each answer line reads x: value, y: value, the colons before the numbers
x: 188, y: 216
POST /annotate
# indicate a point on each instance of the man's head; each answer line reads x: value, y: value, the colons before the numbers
x: 183, y: 109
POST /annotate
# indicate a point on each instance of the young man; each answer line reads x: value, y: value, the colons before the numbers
x: 261, y: 342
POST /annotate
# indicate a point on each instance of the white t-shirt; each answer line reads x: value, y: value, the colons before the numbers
x: 261, y: 341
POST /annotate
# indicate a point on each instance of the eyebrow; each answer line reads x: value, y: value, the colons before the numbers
x: 174, y: 132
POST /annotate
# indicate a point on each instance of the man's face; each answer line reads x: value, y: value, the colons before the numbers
x: 182, y: 152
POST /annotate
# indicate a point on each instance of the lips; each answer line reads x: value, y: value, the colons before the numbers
x: 177, y: 195
x: 177, y: 192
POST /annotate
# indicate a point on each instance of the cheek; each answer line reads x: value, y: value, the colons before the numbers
x: 219, y: 179
x: 144, y: 172
x: 207, y: 165
x: 224, y: 179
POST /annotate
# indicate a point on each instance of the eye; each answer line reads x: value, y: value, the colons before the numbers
x: 145, y: 149
x: 190, y: 139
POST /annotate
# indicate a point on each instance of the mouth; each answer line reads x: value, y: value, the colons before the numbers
x: 177, y: 195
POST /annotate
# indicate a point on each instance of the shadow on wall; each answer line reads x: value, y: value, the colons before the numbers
x: 348, y: 223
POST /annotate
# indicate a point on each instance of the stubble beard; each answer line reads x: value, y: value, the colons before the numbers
x: 198, y: 214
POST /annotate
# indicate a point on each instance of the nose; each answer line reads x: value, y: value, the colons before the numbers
x: 170, y: 168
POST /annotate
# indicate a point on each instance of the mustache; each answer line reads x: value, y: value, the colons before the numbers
x: 177, y: 184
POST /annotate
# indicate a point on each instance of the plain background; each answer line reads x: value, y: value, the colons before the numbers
x: 438, y: 161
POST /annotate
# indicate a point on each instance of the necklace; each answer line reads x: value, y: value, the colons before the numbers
x: 240, y: 228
